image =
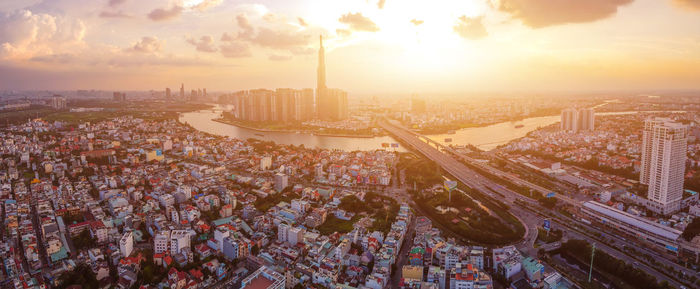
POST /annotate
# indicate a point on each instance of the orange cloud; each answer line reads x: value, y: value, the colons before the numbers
x: 302, y: 22
x: 147, y: 44
x: 359, y: 22
x: 161, y: 14
x: 24, y: 34
x: 689, y: 4
x: 417, y: 22
x: 114, y: 14
x: 343, y: 32
x: 277, y: 57
x: 470, y: 28
x: 235, y: 49
x: 113, y: 3
x: 539, y: 13
x: 203, y: 44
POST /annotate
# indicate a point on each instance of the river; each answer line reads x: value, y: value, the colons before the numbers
x: 202, y: 121
x: 486, y: 138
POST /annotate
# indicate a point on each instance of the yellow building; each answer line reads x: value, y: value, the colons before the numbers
x: 155, y: 155
x: 412, y: 273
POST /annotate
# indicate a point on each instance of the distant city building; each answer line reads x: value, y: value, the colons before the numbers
x: 664, y: 147
x: 331, y: 104
x: 586, y: 119
x: 182, y: 91
x: 573, y: 120
x: 281, y: 182
x: 167, y: 93
x: 281, y: 105
x: 568, y: 120
x: 119, y: 96
x: 58, y: 102
x: 417, y: 104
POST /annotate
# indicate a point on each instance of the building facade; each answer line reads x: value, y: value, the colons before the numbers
x: 664, y: 147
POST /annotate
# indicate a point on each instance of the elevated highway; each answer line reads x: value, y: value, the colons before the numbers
x: 464, y: 174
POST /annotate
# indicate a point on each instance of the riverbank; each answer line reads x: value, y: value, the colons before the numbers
x: 316, y: 133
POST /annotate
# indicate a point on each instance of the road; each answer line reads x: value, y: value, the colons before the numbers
x: 475, y: 181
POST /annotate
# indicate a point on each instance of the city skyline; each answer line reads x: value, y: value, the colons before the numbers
x: 366, y: 144
x: 373, y: 47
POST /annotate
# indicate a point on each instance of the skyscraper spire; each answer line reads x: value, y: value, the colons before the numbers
x: 321, y: 72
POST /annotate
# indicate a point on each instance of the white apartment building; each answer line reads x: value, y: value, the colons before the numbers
x: 575, y: 120
x: 664, y: 148
x: 179, y: 239
x: 295, y: 235
x: 569, y: 119
x: 282, y: 232
x: 161, y: 242
x: 126, y: 244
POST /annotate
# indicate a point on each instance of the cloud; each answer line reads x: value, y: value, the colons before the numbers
x: 244, y: 24
x: 114, y: 3
x: 470, y: 28
x: 24, y: 34
x: 63, y: 58
x: 277, y: 57
x: 101, y: 55
x: 206, y: 4
x: 260, y: 28
x: 278, y: 39
x: 539, y: 13
x: 112, y: 14
x: 358, y: 22
x: 161, y: 14
x: 302, y: 50
x: 688, y: 4
x: 147, y: 44
x: 380, y: 4
x: 417, y: 22
x: 227, y: 37
x: 343, y: 32
x: 234, y: 49
x: 302, y: 22
x: 203, y: 44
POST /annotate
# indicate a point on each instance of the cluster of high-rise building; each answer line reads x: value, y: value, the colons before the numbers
x: 664, y: 147
x: 286, y: 104
x: 57, y: 102
x: 194, y: 93
x: 283, y: 104
x: 575, y: 120
x: 119, y: 96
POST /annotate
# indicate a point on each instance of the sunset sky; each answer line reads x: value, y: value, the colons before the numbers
x: 376, y: 46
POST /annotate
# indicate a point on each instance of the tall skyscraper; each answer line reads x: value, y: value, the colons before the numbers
x: 167, y: 93
x: 664, y: 148
x: 573, y: 120
x: 182, y: 92
x: 321, y: 80
x: 586, y: 119
x: 569, y: 120
x: 331, y: 104
x: 119, y: 96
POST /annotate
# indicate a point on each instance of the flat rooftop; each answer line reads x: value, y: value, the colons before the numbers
x: 634, y: 221
x: 259, y: 282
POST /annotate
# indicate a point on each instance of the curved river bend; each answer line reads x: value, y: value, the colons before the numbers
x: 486, y: 138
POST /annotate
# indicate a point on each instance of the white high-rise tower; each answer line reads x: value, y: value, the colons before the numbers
x: 569, y: 120
x: 664, y: 148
